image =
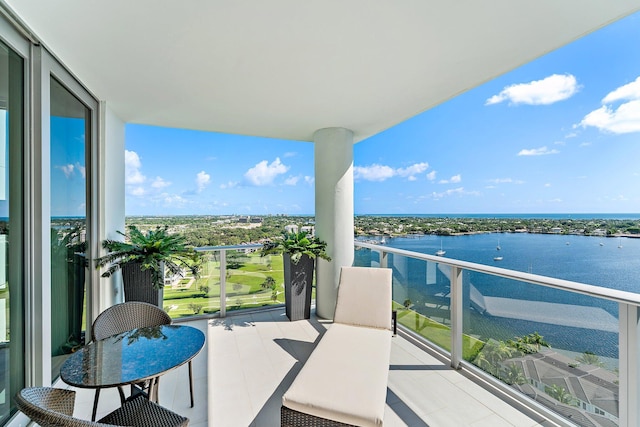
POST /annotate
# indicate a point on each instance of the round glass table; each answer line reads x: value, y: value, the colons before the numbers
x: 133, y: 357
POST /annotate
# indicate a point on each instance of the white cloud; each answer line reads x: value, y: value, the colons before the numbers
x: 537, y: 151
x: 67, y: 170
x: 160, y: 183
x: 82, y: 170
x: 309, y: 180
x: 132, y: 166
x: 230, y: 184
x: 413, y: 170
x: 431, y: 176
x: 450, y: 192
x: 628, y: 92
x: 547, y: 185
x: 264, y: 173
x: 289, y: 154
x: 506, y: 181
x: 292, y: 180
x: 376, y: 172
x: 585, y: 144
x: 137, y: 191
x: 554, y: 88
x: 623, y: 119
x: 202, y: 180
x: 453, y: 180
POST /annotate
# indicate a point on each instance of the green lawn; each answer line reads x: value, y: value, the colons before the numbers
x: 243, y: 286
x: 436, y: 332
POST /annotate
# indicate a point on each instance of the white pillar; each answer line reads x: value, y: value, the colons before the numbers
x: 334, y: 211
x: 112, y: 195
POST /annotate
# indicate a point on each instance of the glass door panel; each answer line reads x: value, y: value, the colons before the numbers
x: 11, y: 229
x: 69, y: 128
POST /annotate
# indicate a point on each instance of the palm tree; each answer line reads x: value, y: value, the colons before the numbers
x: 513, y: 374
x: 560, y: 394
x: 268, y: 282
x: 492, y: 354
x: 151, y: 250
x: 590, y: 358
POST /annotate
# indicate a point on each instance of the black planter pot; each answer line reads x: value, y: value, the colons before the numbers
x: 298, y: 280
x: 138, y: 285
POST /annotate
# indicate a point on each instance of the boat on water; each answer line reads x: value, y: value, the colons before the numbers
x: 441, y: 252
x: 498, y: 247
x: 497, y: 258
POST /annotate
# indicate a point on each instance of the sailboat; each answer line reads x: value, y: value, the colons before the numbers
x: 441, y: 252
x: 498, y: 247
x: 619, y: 243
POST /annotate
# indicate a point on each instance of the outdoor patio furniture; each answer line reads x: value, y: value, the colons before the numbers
x: 125, y: 317
x: 344, y: 381
x: 54, y: 407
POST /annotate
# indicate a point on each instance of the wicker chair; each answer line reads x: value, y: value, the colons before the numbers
x: 125, y: 317
x: 54, y: 407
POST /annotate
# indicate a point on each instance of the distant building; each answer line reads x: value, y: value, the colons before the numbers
x: 291, y: 228
x: 309, y: 229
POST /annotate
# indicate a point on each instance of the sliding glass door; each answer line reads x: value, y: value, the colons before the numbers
x: 12, y: 332
x: 69, y: 129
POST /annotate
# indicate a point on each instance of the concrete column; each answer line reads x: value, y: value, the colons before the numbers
x: 334, y: 211
x: 112, y: 195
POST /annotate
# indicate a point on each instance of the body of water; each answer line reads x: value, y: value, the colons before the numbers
x: 568, y: 321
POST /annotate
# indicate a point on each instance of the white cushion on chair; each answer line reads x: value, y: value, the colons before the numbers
x: 364, y: 297
x: 345, y: 378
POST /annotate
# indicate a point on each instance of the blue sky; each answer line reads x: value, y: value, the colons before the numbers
x: 558, y: 135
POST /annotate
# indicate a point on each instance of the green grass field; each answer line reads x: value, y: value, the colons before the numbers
x: 436, y: 332
x: 243, y: 286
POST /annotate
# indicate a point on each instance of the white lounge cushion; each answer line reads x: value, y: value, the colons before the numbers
x: 345, y: 378
x: 364, y: 297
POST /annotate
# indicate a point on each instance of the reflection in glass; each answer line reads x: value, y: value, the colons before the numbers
x: 68, y: 130
x: 11, y: 234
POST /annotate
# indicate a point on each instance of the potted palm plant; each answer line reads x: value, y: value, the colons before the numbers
x: 143, y: 258
x: 299, y: 251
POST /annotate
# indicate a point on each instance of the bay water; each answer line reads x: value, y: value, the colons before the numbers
x: 608, y: 262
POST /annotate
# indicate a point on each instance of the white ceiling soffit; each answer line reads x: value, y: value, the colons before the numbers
x: 285, y: 68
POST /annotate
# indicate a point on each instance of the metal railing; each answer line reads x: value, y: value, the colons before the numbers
x: 589, y: 373
x: 485, y: 320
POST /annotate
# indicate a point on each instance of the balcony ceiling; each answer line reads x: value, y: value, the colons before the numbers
x: 285, y: 68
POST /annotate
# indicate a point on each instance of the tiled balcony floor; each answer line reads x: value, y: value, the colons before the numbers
x: 250, y: 360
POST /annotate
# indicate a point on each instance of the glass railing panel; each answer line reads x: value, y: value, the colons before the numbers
x: 421, y: 296
x: 560, y: 348
x: 189, y: 296
x: 251, y: 281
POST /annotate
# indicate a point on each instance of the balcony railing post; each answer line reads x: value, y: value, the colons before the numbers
x: 223, y: 283
x: 384, y: 259
x: 456, y: 316
x: 628, y: 366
